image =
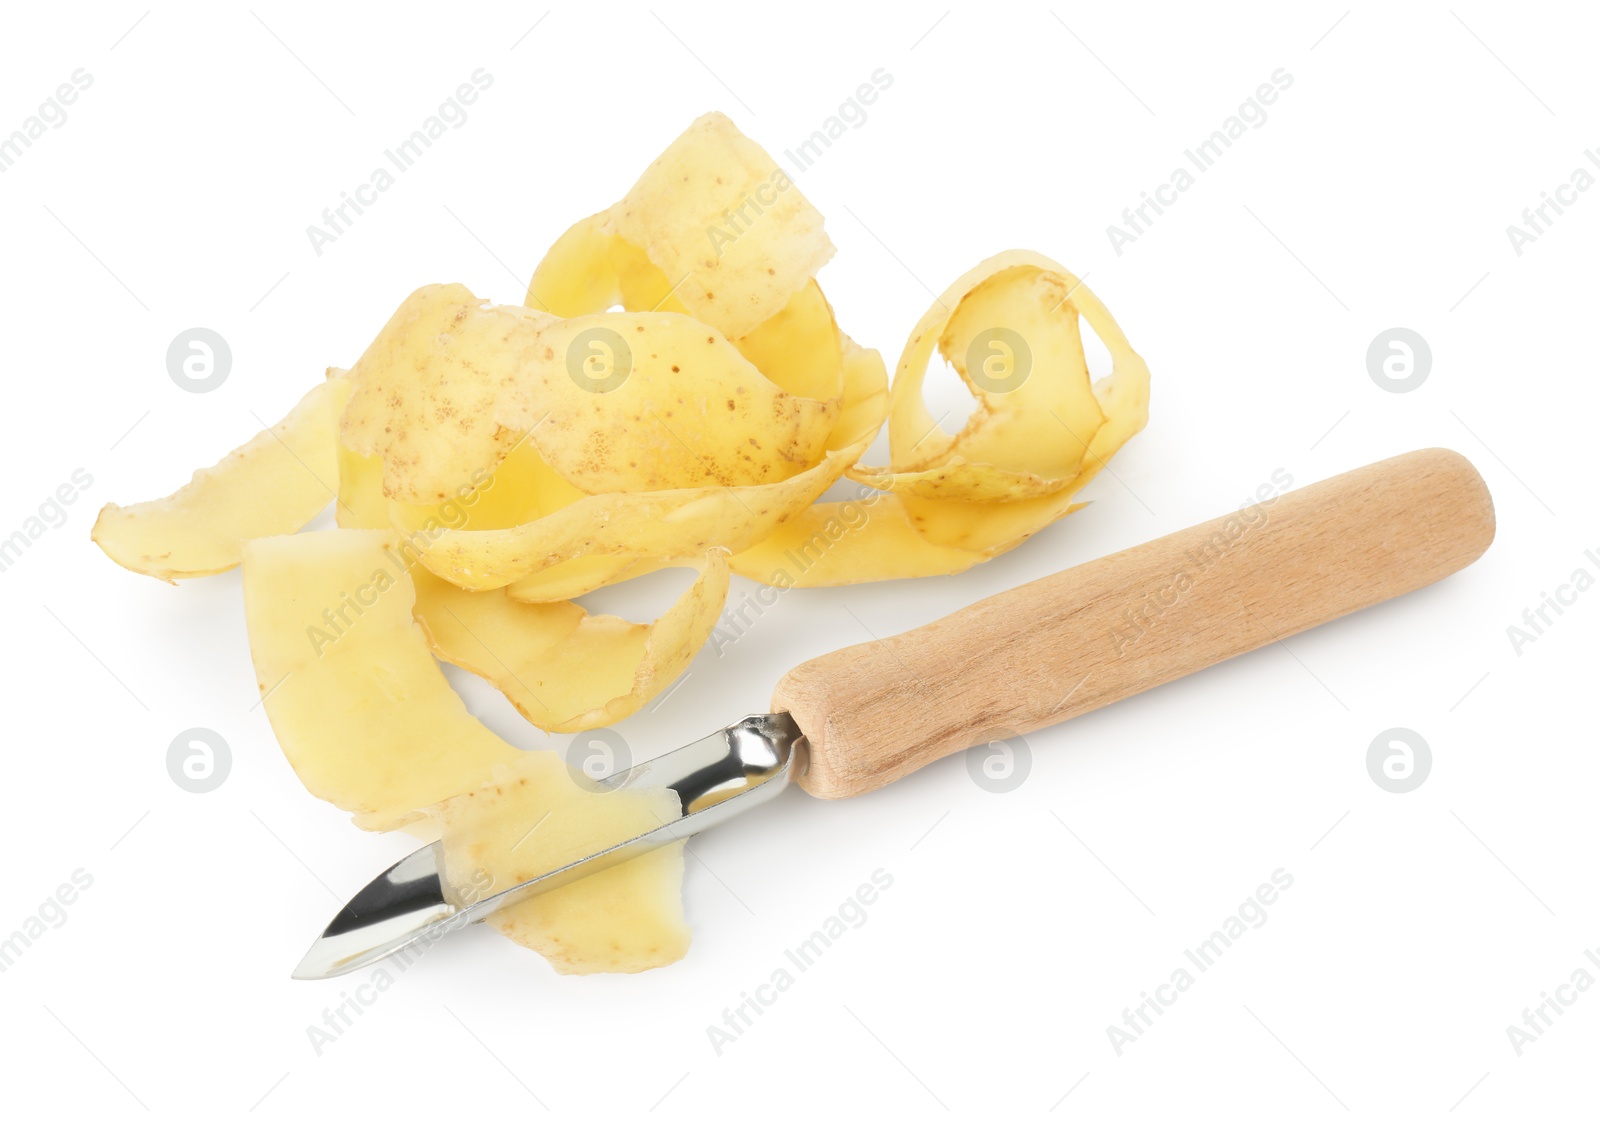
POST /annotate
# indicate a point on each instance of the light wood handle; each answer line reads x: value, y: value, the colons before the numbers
x: 1094, y: 634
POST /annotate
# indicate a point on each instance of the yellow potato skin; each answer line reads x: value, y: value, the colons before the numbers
x: 440, y: 395
x: 564, y: 669
x: 690, y: 410
x: 533, y: 818
x: 369, y: 723
x: 359, y: 706
x: 671, y: 523
x: 273, y: 484
x: 951, y: 501
x: 725, y: 224
x: 453, y: 386
x: 797, y: 344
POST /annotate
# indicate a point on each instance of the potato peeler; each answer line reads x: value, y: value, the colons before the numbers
x: 855, y: 720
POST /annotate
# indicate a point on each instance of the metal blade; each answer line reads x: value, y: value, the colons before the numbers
x: 715, y: 778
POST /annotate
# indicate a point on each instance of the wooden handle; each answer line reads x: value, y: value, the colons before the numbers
x: 1094, y: 634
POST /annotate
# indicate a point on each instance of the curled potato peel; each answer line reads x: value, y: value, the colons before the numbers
x: 714, y: 229
x: 1046, y: 418
x: 564, y: 669
x: 678, y: 406
x: 452, y: 385
x: 797, y: 345
x: 1041, y: 430
x: 786, y: 330
x: 671, y: 523
x: 439, y: 393
x: 722, y: 224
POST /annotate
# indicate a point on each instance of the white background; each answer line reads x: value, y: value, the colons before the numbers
x: 1019, y: 926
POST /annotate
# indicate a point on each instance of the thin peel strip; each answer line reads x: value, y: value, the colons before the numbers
x: 359, y: 706
x: 452, y: 386
x: 671, y: 523
x: 274, y: 483
x: 564, y: 669
x: 725, y: 224
x: 937, y: 511
x: 532, y: 818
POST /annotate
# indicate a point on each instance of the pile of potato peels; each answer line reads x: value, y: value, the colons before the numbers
x: 490, y: 463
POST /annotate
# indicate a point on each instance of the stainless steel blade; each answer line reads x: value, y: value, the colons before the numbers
x: 721, y: 775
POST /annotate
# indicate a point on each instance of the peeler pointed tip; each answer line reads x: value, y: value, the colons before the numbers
x: 317, y: 964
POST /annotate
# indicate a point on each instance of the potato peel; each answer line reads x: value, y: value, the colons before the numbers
x: 564, y: 669
x: 453, y: 387
x: 360, y: 708
x: 440, y: 394
x: 1037, y: 436
x: 725, y: 224
x: 273, y: 484
x: 671, y: 523
x: 797, y: 345
x: 687, y: 410
x: 533, y: 818
x: 371, y: 725
x: 714, y: 229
